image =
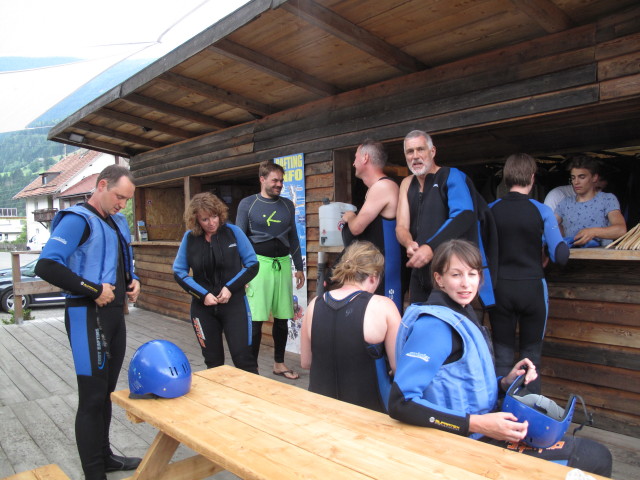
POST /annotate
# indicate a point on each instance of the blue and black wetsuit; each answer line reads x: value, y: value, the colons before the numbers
x: 344, y: 365
x: 86, y: 250
x: 444, y: 374
x: 228, y: 260
x: 525, y: 226
x: 448, y: 208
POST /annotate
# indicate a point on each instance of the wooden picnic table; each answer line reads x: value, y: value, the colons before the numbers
x: 259, y: 428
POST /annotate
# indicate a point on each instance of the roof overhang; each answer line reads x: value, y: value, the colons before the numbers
x: 274, y: 56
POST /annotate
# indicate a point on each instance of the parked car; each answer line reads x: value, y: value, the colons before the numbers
x: 36, y: 242
x: 27, y: 275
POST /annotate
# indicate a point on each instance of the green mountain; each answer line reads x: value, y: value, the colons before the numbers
x: 23, y: 155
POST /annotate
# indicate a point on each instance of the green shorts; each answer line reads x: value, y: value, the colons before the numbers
x: 271, y: 291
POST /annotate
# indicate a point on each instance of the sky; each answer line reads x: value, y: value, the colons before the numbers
x: 99, y: 32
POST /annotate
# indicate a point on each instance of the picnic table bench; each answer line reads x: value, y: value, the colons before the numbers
x: 259, y: 428
x: 48, y: 472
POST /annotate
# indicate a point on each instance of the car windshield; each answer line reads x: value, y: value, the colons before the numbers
x: 29, y: 270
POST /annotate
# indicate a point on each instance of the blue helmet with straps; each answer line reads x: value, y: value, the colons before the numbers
x: 159, y: 369
x: 548, y: 422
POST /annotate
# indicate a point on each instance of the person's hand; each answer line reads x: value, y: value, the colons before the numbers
x: 299, y: 279
x: 133, y: 290
x: 107, y: 295
x: 499, y: 425
x: 224, y: 295
x: 210, y: 300
x: 421, y: 256
x: 412, y: 248
x: 520, y: 368
x: 348, y: 216
x: 584, y: 236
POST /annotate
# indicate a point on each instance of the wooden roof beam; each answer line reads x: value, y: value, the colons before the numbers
x: 127, y: 137
x: 215, y: 93
x: 546, y: 14
x: 272, y: 67
x: 91, y: 144
x: 354, y: 35
x: 175, y: 111
x: 145, y: 123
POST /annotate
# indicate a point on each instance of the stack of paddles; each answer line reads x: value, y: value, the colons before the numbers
x: 628, y: 241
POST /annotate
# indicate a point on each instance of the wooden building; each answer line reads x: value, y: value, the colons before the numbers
x: 487, y: 78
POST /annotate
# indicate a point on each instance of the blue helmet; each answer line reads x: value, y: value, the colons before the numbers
x: 548, y: 422
x: 159, y: 369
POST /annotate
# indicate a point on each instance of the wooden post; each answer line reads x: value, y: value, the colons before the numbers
x: 192, y: 185
x: 18, y: 314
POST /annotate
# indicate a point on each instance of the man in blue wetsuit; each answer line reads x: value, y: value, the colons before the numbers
x: 376, y: 220
x: 437, y: 204
x: 525, y: 226
x: 269, y: 221
x: 89, y: 256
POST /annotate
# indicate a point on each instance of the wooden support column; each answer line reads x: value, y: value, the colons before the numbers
x: 192, y: 185
x: 138, y: 210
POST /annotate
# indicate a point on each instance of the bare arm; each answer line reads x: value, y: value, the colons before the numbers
x: 305, y: 336
x: 382, y: 199
x: 617, y: 228
x: 381, y: 322
x: 403, y: 218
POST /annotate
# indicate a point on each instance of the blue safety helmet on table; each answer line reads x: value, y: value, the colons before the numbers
x: 159, y: 369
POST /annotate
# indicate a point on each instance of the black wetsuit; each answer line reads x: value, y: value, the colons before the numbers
x: 524, y: 227
x: 344, y: 365
x: 382, y: 233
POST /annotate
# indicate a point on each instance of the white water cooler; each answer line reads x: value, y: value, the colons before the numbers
x: 330, y: 224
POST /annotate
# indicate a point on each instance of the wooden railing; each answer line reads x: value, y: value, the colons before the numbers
x: 25, y: 288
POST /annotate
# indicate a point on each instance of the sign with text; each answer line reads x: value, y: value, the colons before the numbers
x: 294, y: 190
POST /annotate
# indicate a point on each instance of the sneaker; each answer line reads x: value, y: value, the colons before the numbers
x: 115, y: 462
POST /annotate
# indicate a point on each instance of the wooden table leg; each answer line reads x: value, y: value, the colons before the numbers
x: 155, y: 464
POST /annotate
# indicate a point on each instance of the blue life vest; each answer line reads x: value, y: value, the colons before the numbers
x: 97, y: 258
x: 467, y: 385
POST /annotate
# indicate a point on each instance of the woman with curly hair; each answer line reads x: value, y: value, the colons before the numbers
x: 222, y: 261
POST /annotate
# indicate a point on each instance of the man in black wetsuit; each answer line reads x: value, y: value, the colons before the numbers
x: 89, y: 257
x: 437, y: 204
x: 376, y: 220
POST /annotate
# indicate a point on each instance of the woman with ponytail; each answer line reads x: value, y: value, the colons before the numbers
x: 348, y: 334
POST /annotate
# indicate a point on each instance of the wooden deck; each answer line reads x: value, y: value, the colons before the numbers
x: 38, y: 397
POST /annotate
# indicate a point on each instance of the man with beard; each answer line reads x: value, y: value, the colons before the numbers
x: 269, y: 221
x: 437, y: 204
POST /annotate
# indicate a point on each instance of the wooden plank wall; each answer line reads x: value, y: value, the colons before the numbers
x: 159, y: 291
x: 592, y: 344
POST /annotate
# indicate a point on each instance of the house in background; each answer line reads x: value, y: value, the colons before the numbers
x: 70, y: 181
x: 10, y: 224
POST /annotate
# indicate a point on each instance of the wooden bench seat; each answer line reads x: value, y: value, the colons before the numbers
x: 48, y: 472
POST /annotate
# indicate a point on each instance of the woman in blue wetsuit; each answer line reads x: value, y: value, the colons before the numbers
x: 348, y: 335
x: 445, y: 377
x: 223, y: 262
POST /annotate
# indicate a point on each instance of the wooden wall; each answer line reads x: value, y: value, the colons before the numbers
x: 592, y: 345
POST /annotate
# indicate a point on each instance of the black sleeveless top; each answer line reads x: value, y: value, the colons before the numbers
x: 343, y: 364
